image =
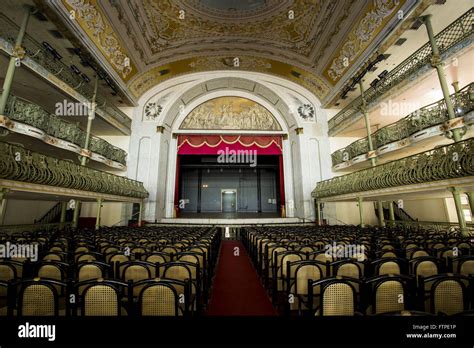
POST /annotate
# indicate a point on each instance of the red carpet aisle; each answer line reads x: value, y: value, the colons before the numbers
x: 237, y: 289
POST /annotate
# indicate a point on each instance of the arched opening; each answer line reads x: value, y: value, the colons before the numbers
x: 257, y: 107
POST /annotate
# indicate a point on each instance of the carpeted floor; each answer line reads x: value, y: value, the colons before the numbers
x: 237, y: 290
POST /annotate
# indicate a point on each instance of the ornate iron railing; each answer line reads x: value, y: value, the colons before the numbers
x: 36, y: 52
x: 451, y: 227
x: 461, y: 29
x: 50, y: 215
x: 19, y: 164
x: 428, y: 116
x: 22, y: 229
x: 447, y: 162
x: 21, y: 110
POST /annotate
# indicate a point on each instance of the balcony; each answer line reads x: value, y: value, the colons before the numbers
x: 24, y: 117
x: 21, y: 169
x: 425, y: 123
x: 434, y: 169
x: 39, y: 60
x: 448, y: 39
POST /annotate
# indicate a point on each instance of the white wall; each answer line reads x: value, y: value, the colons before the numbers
x: 23, y: 212
x: 347, y: 213
x: 111, y: 213
x: 451, y: 213
x: 120, y: 141
x: 337, y: 143
x: 428, y: 209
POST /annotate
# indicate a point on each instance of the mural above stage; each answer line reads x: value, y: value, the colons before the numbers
x: 231, y: 113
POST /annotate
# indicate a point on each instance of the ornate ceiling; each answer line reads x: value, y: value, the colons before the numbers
x: 312, y: 42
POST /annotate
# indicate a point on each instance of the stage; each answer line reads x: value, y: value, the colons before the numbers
x: 226, y: 219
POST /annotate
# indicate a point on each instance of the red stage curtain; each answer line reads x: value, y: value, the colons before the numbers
x: 190, y: 144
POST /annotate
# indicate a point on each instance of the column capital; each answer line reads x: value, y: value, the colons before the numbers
x: 426, y: 18
x: 435, y: 60
x: 454, y: 189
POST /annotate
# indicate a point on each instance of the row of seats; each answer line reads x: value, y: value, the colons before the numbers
x: 113, y: 271
x: 380, y: 270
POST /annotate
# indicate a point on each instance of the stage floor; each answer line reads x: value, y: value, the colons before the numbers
x: 226, y: 219
x: 228, y: 215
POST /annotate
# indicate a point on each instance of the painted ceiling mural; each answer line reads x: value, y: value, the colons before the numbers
x: 311, y: 42
x: 230, y: 113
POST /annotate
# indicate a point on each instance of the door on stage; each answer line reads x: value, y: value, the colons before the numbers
x: 229, y: 201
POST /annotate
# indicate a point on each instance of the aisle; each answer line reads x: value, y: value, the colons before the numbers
x: 237, y: 289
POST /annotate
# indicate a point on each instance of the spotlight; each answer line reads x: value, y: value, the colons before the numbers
x: 75, y: 69
x: 382, y: 74
x: 374, y: 83
x: 379, y: 58
x: 85, y: 78
x: 101, y: 74
x: 51, y: 50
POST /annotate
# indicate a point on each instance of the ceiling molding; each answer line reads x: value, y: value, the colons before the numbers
x: 363, y: 32
x: 88, y: 15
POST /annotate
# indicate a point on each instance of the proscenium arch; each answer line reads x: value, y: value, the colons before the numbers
x: 275, y: 94
x: 199, y: 93
x: 268, y: 87
x: 288, y: 165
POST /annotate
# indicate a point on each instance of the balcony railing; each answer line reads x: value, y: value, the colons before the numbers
x: 19, y: 164
x: 448, y: 38
x: 21, y: 110
x: 42, y: 57
x: 447, y: 162
x: 428, y: 116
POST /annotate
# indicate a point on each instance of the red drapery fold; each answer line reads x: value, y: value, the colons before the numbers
x: 191, y: 144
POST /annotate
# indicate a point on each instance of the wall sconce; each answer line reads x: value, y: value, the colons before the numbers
x: 299, y: 130
x: 160, y: 129
x: 285, y: 136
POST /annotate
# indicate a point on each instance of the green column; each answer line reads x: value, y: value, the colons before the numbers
x: 373, y: 160
x: 77, y: 210
x: 99, y: 210
x: 470, y: 197
x: 86, y: 144
x: 380, y: 213
x: 3, y: 194
x: 438, y: 65
x: 361, y: 211
x: 7, y: 83
x: 140, y: 214
x: 391, y: 213
x: 457, y: 201
x: 363, y: 109
x: 318, y: 213
x: 455, y: 85
x: 62, y: 220
x: 89, y: 120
